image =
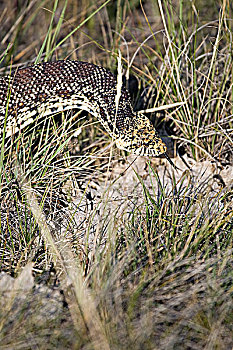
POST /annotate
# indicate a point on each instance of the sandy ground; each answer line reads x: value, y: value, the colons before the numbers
x: 122, y: 191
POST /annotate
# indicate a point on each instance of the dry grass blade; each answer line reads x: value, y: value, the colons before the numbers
x: 161, y: 108
x: 81, y: 304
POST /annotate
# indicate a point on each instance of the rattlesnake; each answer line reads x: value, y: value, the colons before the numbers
x: 50, y: 87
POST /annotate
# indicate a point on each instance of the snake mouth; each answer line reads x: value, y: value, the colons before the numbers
x: 154, y: 152
x: 154, y: 148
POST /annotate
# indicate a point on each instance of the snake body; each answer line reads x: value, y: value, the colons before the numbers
x: 47, y: 88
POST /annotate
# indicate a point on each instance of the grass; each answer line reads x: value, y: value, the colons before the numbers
x: 101, y: 251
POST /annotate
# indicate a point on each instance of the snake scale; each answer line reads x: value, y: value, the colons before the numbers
x: 50, y: 87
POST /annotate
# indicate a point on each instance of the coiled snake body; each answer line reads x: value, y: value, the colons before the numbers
x: 48, y: 88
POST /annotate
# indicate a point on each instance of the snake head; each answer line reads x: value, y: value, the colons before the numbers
x: 140, y: 137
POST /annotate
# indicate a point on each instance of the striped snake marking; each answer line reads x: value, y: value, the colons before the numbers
x: 47, y: 88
